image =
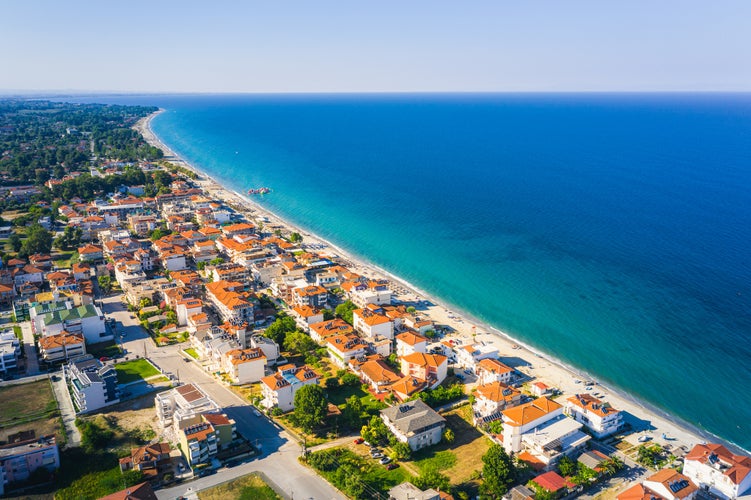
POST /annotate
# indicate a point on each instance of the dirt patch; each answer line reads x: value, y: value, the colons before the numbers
x: 138, y: 414
x: 27, y: 407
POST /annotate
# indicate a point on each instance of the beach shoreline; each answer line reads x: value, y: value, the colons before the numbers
x: 539, y: 365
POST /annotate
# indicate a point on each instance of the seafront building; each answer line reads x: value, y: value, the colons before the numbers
x: 599, y: 418
x: 716, y: 469
x: 541, y: 433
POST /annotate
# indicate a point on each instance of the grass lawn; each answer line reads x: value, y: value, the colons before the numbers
x: 132, y: 371
x: 191, y: 352
x: 19, y: 333
x: 101, y: 349
x: 339, y: 396
x: 460, y: 459
x: 26, y: 402
x: 250, y: 487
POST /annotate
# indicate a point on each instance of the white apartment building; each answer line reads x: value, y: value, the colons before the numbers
x: 279, y: 389
x: 715, y: 468
x: 600, y: 418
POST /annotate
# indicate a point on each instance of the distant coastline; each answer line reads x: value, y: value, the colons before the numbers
x: 679, y: 431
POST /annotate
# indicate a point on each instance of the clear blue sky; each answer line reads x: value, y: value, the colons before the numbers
x: 354, y: 46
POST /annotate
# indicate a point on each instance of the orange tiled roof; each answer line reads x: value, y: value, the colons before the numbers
x: 529, y: 412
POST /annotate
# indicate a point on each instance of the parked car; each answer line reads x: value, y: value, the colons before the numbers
x: 392, y: 466
x: 376, y: 455
x: 359, y: 441
x: 366, y: 443
x: 104, y: 358
x: 385, y: 460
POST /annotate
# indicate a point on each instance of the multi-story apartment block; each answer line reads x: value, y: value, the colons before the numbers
x: 92, y: 384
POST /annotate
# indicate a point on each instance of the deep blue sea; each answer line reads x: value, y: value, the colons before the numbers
x: 611, y: 231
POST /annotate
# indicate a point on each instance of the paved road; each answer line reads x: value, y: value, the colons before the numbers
x: 67, y: 411
x: 279, y: 452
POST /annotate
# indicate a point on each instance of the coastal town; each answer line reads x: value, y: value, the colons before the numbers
x: 177, y: 338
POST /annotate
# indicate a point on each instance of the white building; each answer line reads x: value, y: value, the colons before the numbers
x: 269, y: 347
x: 491, y: 399
x: 468, y: 356
x: 409, y: 342
x: 10, y: 350
x: 431, y: 368
x: 414, y: 423
x: 244, y: 366
x: 374, y: 292
x: 92, y: 384
x: 715, y: 468
x: 62, y: 346
x: 187, y: 308
x: 182, y: 407
x: 279, y: 389
x: 491, y: 370
x: 87, y: 320
x: 343, y: 348
x: 542, y: 431
x: 306, y: 316
x: 371, y: 322
x: 600, y: 418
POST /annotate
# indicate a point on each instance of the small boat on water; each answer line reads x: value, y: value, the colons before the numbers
x: 261, y: 190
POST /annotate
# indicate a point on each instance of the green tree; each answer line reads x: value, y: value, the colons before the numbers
x: 566, y: 466
x: 38, y: 240
x: 295, y: 238
x: 431, y: 478
x: 352, y: 412
x: 350, y: 379
x: 171, y: 317
x: 144, y: 302
x: 278, y: 330
x: 105, y: 283
x: 299, y: 342
x: 328, y: 314
x: 344, y: 311
x: 402, y: 451
x: 448, y: 436
x: 498, y: 471
x: 310, y: 407
x: 495, y: 427
x: 15, y: 242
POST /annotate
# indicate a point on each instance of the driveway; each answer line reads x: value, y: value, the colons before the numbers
x: 30, y: 350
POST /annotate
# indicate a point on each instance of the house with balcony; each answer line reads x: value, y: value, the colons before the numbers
x: 199, y: 442
x: 86, y: 319
x: 244, y: 366
x: 343, y: 348
x: 372, y: 292
x: 666, y: 484
x: 62, y: 346
x: 183, y: 406
x: 279, y: 389
x: 490, y: 370
x: 10, y: 351
x: 312, y: 296
x: 600, y: 418
x: 151, y: 460
x: 92, y: 384
x: 90, y: 253
x: 306, y: 316
x: 468, y: 356
x: 231, y: 301
x: 715, y: 469
x: 410, y: 342
x: 491, y: 399
x: 18, y: 461
x: 186, y: 308
x: 414, y: 423
x: 371, y: 321
x: 322, y: 330
x: 541, y: 433
x: 377, y: 374
x: 431, y: 368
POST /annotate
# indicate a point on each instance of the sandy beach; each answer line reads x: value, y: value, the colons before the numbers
x: 539, y: 366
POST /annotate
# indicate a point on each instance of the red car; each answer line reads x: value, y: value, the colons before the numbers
x: 359, y: 441
x: 392, y: 466
x: 104, y: 358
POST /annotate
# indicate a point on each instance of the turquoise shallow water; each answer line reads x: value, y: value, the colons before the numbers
x: 611, y: 231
